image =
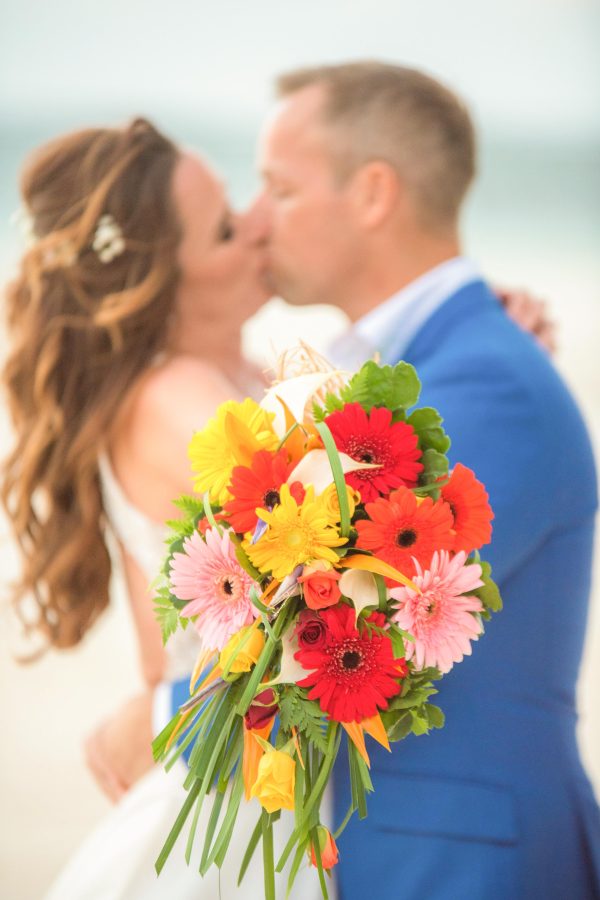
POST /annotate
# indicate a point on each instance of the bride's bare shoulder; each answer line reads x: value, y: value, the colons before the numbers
x: 156, y: 423
x: 183, y: 385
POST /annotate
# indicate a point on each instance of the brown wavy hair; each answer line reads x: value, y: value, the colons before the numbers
x: 81, y: 333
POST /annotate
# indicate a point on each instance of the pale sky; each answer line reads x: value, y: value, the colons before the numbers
x: 528, y: 67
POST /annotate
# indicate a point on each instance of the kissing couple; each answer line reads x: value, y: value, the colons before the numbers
x: 125, y: 323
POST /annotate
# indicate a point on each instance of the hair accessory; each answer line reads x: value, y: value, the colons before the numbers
x: 108, y: 240
x: 23, y: 221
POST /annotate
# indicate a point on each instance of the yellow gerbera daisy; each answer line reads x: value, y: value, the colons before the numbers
x: 230, y: 439
x: 295, y: 534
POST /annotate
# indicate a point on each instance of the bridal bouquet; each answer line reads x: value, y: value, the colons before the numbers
x: 329, y: 565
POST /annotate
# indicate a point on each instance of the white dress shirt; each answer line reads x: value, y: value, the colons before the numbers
x: 390, y: 327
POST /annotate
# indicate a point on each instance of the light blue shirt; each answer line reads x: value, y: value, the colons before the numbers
x: 390, y: 327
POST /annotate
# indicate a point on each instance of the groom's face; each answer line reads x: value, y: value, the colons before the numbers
x: 308, y: 217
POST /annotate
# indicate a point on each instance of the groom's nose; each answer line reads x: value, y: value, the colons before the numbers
x: 257, y: 220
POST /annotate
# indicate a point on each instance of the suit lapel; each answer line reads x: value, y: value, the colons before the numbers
x: 471, y: 300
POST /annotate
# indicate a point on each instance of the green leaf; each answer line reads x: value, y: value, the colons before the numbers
x: 314, y: 835
x: 314, y: 798
x: 252, y: 845
x: 298, y: 858
x: 435, y: 465
x: 176, y: 829
x: 397, y: 639
x: 427, y: 422
x: 306, y: 715
x: 167, y: 617
x: 268, y: 856
x: 212, y: 825
x: 191, y: 506
x: 419, y: 724
x: 435, y: 716
x: 397, y: 726
x: 489, y: 593
x: 396, y: 387
x: 338, y: 477
x: 180, y: 527
x: 243, y: 558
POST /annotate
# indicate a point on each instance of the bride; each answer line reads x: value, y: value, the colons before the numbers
x: 124, y: 324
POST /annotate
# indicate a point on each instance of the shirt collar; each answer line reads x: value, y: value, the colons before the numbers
x: 389, y: 328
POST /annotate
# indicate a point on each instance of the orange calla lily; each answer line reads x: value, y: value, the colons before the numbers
x: 378, y: 567
x: 356, y: 734
x: 252, y: 754
x: 376, y: 729
x: 240, y: 440
x: 295, y: 443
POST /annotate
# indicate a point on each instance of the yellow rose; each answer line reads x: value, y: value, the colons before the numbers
x: 249, y: 653
x: 274, y: 785
x: 329, y: 499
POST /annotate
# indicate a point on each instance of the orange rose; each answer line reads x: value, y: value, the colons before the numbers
x: 321, y: 587
x: 328, y: 848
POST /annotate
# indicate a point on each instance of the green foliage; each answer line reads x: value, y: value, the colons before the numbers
x: 331, y: 404
x: 192, y: 507
x: 398, y: 638
x: 427, y: 422
x: 179, y: 528
x: 489, y: 593
x: 396, y: 387
x: 410, y: 712
x: 306, y: 715
x: 167, y: 616
x: 435, y: 466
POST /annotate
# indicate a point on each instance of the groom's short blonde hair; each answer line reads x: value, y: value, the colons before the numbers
x: 376, y: 110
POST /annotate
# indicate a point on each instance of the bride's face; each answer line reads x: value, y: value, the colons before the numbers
x: 221, y: 257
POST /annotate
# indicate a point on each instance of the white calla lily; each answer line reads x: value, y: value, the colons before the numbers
x: 295, y: 393
x: 315, y: 469
x: 360, y: 587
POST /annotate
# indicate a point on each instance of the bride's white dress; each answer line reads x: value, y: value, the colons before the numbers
x: 116, y: 862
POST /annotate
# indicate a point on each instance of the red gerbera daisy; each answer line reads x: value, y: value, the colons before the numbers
x: 257, y: 486
x: 374, y: 439
x: 355, y: 673
x: 404, y: 526
x: 472, y: 513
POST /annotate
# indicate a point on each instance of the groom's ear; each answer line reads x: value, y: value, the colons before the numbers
x: 376, y: 193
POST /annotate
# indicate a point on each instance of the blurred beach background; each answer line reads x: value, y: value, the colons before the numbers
x: 530, y: 70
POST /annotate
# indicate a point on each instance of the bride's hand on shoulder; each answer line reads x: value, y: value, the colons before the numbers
x: 531, y: 313
x: 118, y: 753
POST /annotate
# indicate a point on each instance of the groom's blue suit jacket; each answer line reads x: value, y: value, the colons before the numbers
x: 496, y: 804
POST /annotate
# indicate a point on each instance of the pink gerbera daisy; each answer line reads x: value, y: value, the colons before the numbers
x: 208, y: 574
x: 440, y: 618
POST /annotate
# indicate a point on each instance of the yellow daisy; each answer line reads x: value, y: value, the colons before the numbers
x: 295, y: 534
x: 230, y: 439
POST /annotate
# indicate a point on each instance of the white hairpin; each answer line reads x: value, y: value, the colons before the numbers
x: 23, y: 220
x: 108, y: 240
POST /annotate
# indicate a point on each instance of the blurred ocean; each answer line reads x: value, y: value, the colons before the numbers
x: 533, y: 220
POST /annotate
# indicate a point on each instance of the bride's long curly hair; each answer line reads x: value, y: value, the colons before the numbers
x: 81, y: 332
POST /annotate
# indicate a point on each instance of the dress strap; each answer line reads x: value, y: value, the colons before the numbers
x: 142, y: 537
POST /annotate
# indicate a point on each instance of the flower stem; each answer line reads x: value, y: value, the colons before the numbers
x: 268, y: 857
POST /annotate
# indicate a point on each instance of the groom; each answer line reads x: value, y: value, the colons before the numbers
x: 366, y: 167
